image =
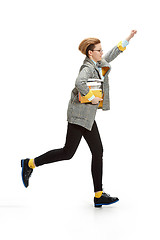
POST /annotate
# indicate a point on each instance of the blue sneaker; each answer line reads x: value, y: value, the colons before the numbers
x: 105, y: 199
x: 26, y: 172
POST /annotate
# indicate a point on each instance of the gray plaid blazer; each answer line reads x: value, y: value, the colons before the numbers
x: 83, y: 114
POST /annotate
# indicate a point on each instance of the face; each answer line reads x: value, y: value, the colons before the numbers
x: 96, y: 54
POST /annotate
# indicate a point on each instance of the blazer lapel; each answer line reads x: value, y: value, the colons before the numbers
x: 92, y: 63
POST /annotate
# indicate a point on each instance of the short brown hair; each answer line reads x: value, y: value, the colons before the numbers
x: 88, y: 44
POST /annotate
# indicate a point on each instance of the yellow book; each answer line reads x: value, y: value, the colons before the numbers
x: 95, y: 85
x: 96, y: 92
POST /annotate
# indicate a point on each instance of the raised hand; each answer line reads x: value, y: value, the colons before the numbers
x: 133, y: 32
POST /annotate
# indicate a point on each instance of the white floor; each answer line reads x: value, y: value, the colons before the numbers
x: 62, y: 220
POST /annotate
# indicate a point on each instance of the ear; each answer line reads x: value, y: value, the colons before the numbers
x: 89, y: 53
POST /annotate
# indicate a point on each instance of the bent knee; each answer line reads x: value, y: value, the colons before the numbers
x: 68, y: 154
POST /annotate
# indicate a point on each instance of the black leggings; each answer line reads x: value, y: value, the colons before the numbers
x: 73, y: 138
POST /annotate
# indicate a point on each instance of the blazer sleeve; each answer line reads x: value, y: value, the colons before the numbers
x: 114, y: 52
x: 81, y: 83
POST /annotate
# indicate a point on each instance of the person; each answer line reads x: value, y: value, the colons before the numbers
x: 81, y: 116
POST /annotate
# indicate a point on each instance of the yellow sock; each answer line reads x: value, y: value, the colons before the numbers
x: 98, y: 194
x: 31, y: 163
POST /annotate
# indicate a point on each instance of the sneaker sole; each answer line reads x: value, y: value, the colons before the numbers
x: 22, y: 166
x: 100, y: 204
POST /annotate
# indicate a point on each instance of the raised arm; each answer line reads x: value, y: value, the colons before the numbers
x: 121, y: 46
x: 131, y: 35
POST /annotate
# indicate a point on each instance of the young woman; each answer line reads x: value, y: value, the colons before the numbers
x: 81, y: 116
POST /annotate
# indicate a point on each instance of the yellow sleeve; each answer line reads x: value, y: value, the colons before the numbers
x: 119, y: 45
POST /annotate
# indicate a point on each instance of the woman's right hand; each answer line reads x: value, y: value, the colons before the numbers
x: 96, y: 100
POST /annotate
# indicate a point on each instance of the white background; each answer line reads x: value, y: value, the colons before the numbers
x: 39, y: 62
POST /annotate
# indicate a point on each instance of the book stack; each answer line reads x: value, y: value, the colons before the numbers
x: 95, y: 85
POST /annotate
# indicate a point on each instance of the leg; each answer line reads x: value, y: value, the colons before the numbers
x: 94, y: 141
x: 73, y: 138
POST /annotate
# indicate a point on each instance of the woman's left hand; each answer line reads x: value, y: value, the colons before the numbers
x: 133, y: 32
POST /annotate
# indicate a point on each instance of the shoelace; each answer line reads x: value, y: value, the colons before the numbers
x: 106, y: 194
x: 29, y: 172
